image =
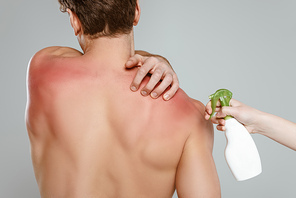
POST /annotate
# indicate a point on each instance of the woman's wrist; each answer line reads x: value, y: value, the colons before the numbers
x: 260, y: 122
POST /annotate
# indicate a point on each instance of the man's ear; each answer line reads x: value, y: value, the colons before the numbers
x: 137, y: 14
x: 75, y: 22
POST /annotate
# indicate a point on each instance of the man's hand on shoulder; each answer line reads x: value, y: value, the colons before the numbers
x: 161, y: 72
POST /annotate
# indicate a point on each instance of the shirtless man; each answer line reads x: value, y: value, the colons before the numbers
x: 84, y: 143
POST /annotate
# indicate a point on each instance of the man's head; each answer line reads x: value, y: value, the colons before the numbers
x: 99, y: 18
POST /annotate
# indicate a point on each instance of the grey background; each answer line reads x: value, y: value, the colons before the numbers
x: 247, y: 46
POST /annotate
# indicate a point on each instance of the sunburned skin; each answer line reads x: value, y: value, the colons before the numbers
x: 93, y: 137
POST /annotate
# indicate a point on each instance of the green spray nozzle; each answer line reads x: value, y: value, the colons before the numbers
x: 224, y: 95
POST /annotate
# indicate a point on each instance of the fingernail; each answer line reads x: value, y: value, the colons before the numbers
x: 129, y: 62
x: 144, y: 93
x: 133, y: 88
x: 154, y: 95
x: 166, y: 96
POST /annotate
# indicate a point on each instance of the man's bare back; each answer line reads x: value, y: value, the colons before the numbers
x: 92, y: 137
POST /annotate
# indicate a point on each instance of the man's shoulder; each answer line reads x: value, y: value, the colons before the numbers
x: 192, y: 113
x: 51, y: 56
x: 52, y: 66
x: 48, y: 55
x: 187, y: 104
x: 57, y: 51
x: 184, y: 109
x: 191, y: 116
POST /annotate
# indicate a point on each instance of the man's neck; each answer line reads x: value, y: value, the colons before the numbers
x: 118, y: 49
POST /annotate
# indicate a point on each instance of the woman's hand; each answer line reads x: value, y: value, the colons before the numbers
x: 246, y: 115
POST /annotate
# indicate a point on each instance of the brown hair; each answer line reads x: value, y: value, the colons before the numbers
x: 103, y: 17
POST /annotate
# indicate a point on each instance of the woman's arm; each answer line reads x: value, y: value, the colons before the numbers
x: 255, y: 121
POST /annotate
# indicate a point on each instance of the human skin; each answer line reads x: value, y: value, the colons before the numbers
x: 163, y: 78
x: 84, y: 142
x: 255, y: 121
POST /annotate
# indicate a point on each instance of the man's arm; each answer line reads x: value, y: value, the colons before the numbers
x: 196, y: 174
x: 163, y: 78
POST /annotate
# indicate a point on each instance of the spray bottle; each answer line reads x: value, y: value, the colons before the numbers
x: 241, y: 152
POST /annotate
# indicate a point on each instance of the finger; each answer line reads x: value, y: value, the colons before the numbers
x: 214, y: 120
x: 208, y: 110
x: 154, y: 63
x: 207, y: 116
x: 155, y: 78
x: 221, y: 121
x: 234, y: 103
x: 142, y: 72
x: 173, y: 90
x: 221, y: 114
x: 232, y: 111
x: 218, y: 104
x: 209, y: 107
x: 221, y: 128
x: 136, y: 60
x: 166, y: 82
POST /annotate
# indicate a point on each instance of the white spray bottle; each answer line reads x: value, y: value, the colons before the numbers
x: 241, y: 152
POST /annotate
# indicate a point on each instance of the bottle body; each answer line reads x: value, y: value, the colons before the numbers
x: 241, y: 152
